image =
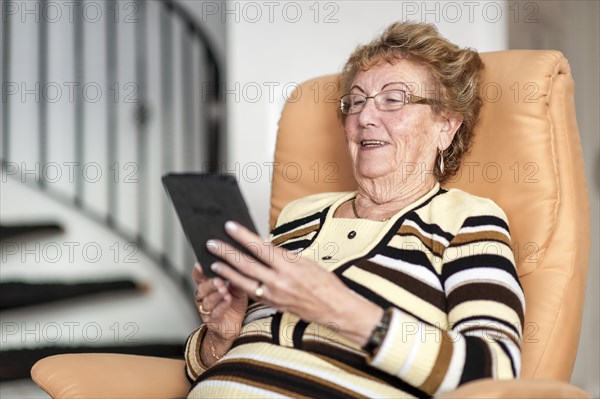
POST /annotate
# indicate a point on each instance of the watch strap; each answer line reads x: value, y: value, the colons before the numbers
x: 379, y: 332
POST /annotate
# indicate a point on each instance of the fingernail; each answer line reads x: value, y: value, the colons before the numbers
x: 212, y: 245
x: 214, y: 267
x: 231, y: 226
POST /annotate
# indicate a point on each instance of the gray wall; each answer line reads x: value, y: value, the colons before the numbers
x: 573, y: 28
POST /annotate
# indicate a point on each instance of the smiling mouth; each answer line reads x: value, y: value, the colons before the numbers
x: 372, y: 143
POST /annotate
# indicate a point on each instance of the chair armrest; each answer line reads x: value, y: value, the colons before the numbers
x: 532, y: 389
x: 107, y: 375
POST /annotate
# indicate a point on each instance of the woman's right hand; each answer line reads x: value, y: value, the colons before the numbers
x: 222, y: 308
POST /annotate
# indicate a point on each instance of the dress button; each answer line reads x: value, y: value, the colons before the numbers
x: 352, y: 234
x: 326, y: 257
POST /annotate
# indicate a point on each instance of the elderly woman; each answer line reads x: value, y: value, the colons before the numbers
x: 420, y: 294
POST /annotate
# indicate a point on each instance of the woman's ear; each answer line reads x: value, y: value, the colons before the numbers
x: 451, y: 123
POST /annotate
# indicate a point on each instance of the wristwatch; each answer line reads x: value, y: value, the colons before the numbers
x: 379, y: 332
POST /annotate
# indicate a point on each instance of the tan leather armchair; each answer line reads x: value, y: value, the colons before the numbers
x: 526, y: 156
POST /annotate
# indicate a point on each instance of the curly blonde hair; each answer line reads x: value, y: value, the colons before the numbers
x: 456, y: 73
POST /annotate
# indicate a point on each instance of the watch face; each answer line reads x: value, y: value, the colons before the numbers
x: 380, y: 332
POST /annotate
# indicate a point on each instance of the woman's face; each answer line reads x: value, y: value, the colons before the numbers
x: 400, y: 144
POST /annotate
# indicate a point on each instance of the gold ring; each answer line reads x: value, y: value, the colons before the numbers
x: 203, y: 311
x: 259, y: 291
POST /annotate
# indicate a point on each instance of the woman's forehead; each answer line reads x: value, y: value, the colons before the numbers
x: 400, y: 74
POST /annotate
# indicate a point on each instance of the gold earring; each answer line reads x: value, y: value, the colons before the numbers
x: 441, y: 154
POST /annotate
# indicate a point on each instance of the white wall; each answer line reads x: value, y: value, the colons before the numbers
x: 272, y: 47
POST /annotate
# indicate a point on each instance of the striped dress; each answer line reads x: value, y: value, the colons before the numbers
x: 442, y: 266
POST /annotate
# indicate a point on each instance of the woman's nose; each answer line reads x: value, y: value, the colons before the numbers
x: 369, y: 114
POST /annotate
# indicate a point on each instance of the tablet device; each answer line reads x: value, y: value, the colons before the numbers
x: 204, y: 202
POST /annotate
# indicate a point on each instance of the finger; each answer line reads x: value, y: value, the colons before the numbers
x: 248, y: 285
x: 197, y: 274
x: 218, y: 313
x: 205, y: 288
x: 263, y: 251
x: 216, y: 305
x: 231, y: 254
x: 240, y: 261
x: 210, y: 301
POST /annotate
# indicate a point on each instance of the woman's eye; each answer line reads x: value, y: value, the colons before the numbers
x: 358, y: 101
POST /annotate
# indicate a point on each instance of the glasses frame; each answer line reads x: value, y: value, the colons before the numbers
x: 408, y: 99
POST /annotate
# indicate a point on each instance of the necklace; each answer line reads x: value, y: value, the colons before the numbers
x: 356, y: 215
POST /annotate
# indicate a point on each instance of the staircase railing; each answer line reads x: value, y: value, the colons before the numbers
x: 142, y: 97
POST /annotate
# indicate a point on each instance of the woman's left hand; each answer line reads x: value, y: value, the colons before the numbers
x: 293, y: 283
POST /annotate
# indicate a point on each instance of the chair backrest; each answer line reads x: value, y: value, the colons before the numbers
x: 526, y: 156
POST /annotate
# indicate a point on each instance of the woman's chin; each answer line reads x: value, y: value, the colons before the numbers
x: 372, y: 172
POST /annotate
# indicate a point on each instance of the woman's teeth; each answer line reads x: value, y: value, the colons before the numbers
x: 372, y: 143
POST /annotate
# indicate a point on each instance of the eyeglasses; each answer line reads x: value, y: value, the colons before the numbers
x: 387, y: 100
